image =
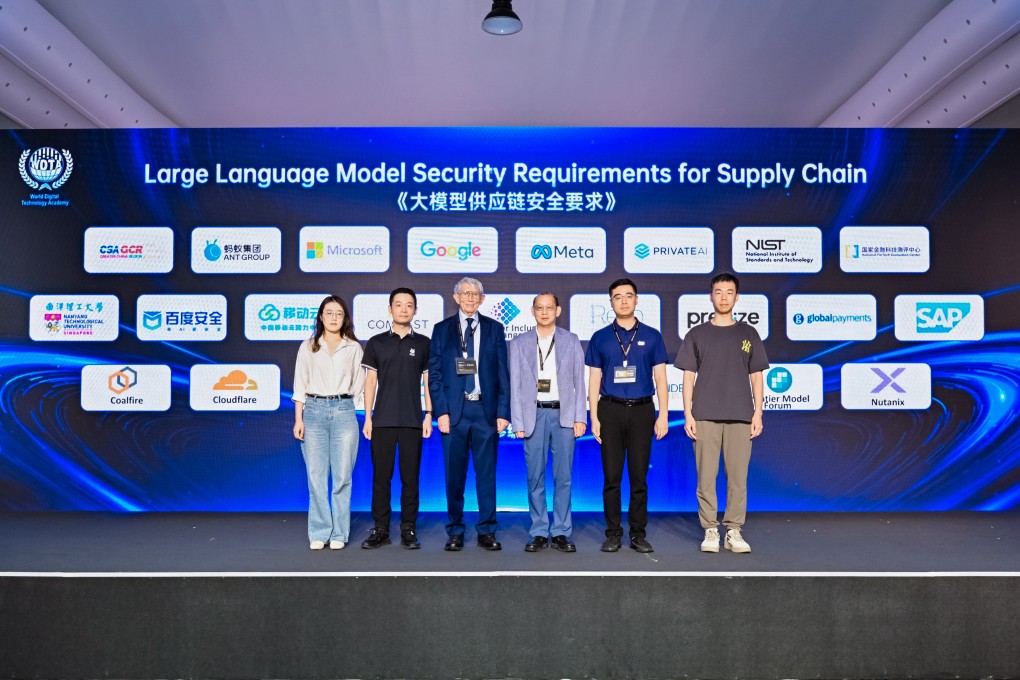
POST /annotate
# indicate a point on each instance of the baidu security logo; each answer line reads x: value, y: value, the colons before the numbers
x: 506, y: 311
x: 779, y: 379
x: 641, y: 251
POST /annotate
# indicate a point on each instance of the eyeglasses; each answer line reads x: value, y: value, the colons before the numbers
x: 333, y: 315
x: 620, y: 297
x: 469, y: 294
x: 545, y: 309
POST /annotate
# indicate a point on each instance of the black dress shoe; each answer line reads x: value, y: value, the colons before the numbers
x: 409, y: 539
x: 563, y: 544
x: 611, y: 544
x: 489, y: 542
x: 376, y: 538
x: 640, y: 544
x: 454, y: 543
x: 536, y: 543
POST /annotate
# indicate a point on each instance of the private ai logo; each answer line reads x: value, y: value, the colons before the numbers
x: 44, y: 170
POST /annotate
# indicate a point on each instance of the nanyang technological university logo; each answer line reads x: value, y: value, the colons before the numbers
x: 46, y: 167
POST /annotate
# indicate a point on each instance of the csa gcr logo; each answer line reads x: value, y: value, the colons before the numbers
x: 45, y: 168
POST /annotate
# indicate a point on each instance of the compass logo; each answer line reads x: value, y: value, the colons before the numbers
x: 46, y: 167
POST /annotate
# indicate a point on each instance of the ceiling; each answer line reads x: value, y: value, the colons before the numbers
x: 268, y: 63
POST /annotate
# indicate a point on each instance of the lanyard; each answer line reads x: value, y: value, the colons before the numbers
x: 460, y: 334
x: 541, y: 359
x: 626, y: 350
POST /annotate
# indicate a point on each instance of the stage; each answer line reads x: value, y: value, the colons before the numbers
x: 849, y: 595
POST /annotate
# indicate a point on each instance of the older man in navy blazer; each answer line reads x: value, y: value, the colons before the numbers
x: 470, y: 387
x: 548, y: 411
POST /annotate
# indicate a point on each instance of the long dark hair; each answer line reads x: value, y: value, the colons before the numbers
x: 346, y: 326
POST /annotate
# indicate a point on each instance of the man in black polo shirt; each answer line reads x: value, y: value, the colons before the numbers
x: 628, y: 364
x: 396, y: 361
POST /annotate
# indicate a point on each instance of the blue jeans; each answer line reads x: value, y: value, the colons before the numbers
x: 549, y: 435
x: 330, y: 449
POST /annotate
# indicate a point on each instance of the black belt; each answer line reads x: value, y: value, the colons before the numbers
x: 333, y: 396
x: 548, y: 404
x: 628, y: 402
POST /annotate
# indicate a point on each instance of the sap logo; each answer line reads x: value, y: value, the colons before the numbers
x: 696, y: 318
x: 940, y: 317
x: 120, y: 250
x: 765, y: 244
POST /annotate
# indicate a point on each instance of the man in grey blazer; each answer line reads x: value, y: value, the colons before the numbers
x: 548, y: 411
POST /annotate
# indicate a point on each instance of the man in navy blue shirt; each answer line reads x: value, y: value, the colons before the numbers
x: 628, y: 364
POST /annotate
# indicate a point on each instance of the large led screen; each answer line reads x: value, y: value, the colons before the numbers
x: 156, y: 285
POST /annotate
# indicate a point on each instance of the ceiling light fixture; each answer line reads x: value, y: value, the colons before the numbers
x: 502, y: 20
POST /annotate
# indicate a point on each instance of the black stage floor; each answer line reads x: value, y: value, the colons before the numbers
x: 240, y: 596
x: 274, y: 543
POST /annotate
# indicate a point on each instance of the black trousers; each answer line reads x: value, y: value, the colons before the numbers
x: 627, y: 433
x: 385, y: 441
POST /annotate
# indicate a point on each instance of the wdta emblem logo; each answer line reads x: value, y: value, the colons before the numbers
x: 45, y: 168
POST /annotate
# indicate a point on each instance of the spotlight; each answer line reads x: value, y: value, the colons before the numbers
x: 502, y: 20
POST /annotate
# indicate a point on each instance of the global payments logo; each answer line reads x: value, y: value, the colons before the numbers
x: 641, y: 251
x: 779, y: 380
x: 506, y: 311
x: 935, y: 317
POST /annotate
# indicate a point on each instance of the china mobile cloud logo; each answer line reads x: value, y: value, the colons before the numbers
x: 46, y: 167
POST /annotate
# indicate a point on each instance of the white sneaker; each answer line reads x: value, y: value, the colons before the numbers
x: 316, y: 545
x: 711, y: 542
x: 735, y: 542
x: 336, y: 545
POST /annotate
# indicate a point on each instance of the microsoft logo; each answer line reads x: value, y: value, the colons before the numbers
x: 642, y: 251
x: 506, y: 311
x: 313, y: 250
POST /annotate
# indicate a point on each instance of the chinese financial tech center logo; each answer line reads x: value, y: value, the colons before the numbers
x: 506, y: 311
x: 641, y: 251
x: 123, y: 380
x: 780, y: 380
x: 45, y: 168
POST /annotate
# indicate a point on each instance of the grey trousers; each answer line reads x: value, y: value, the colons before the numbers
x: 735, y: 441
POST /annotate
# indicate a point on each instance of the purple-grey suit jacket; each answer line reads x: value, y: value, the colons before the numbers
x: 523, y: 360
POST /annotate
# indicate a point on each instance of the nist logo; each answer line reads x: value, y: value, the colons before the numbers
x: 573, y: 250
x: 452, y: 250
x: 939, y: 317
x: 793, y: 250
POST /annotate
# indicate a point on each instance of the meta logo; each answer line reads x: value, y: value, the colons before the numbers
x: 939, y: 317
x: 570, y: 250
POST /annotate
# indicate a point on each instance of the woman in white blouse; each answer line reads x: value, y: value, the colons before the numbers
x: 328, y: 378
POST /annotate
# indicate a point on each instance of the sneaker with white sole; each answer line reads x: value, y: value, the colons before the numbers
x: 317, y: 545
x: 336, y: 545
x: 735, y: 542
x: 711, y: 542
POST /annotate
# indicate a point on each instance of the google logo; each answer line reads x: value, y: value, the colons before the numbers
x: 430, y: 249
